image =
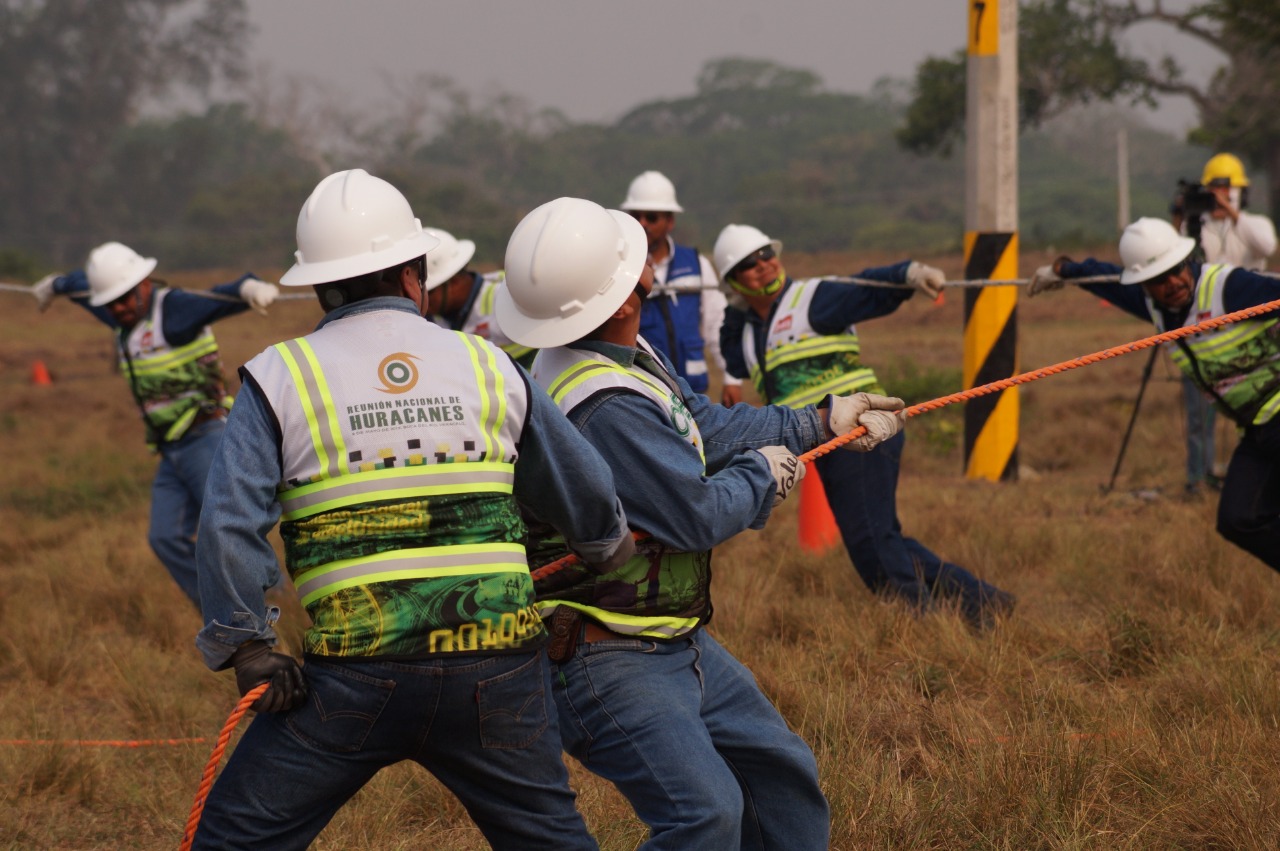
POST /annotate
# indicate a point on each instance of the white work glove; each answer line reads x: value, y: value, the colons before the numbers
x: 43, y: 291
x: 259, y: 294
x: 882, y: 415
x: 786, y: 468
x: 926, y: 279
x: 1043, y: 280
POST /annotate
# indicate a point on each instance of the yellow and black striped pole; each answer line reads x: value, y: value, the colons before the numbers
x: 991, y: 238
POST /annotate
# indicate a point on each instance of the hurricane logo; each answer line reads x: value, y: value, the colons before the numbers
x: 397, y: 373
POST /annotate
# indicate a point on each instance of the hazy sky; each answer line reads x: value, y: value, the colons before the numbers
x: 596, y: 59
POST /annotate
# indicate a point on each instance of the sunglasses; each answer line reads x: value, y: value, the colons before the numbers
x: 651, y: 218
x: 755, y: 258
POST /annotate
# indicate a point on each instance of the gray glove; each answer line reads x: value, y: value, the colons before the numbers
x: 1043, y: 280
x: 926, y: 279
x: 256, y: 664
x: 786, y: 468
x: 259, y: 294
x: 43, y: 291
x: 882, y: 415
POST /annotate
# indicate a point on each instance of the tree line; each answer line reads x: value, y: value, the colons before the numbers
x: 90, y: 158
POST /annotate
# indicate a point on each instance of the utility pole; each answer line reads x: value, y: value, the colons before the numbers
x: 991, y: 238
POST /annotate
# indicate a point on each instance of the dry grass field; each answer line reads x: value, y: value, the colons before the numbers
x: 1131, y: 701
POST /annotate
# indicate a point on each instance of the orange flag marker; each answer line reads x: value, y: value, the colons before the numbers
x: 817, y: 531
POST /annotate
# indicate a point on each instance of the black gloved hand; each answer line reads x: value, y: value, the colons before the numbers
x: 255, y: 664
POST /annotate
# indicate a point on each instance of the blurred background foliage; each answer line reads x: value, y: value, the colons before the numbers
x: 160, y: 141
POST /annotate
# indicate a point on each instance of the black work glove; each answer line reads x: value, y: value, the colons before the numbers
x: 255, y: 664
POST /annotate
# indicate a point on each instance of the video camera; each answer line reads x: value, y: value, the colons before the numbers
x: 1192, y: 200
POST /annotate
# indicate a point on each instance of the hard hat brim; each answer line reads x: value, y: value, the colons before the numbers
x: 539, y: 333
x: 327, y: 271
x: 466, y: 250
x: 777, y: 249
x: 1175, y: 254
x: 107, y: 296
x: 650, y: 208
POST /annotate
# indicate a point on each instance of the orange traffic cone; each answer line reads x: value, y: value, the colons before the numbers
x: 817, y: 531
x: 40, y: 373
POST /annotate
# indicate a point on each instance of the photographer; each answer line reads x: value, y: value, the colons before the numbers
x: 1211, y: 212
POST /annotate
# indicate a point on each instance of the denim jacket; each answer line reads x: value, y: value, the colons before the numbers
x: 560, y: 479
x: 660, y: 476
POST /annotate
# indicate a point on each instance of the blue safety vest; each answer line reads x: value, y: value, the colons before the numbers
x: 671, y: 318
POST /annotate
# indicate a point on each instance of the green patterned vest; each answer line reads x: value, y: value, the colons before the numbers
x: 660, y: 593
x: 801, y: 366
x: 1238, y: 363
x: 172, y: 384
x: 398, y: 450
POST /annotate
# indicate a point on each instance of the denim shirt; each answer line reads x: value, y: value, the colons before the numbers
x: 185, y: 314
x: 560, y: 479
x: 661, y: 480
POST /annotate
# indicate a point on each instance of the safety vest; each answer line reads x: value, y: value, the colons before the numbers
x: 800, y: 365
x: 398, y: 448
x: 660, y: 593
x: 481, y: 322
x: 1238, y: 364
x: 172, y: 384
x: 671, y: 318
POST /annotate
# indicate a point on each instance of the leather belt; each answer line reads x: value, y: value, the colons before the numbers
x: 592, y: 631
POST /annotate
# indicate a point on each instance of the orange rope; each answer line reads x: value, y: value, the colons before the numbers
x: 206, y: 779
x: 1045, y: 372
x: 106, y: 743
x: 996, y: 386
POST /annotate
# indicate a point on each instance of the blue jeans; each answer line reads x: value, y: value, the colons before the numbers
x: 1200, y: 417
x: 177, y: 492
x: 685, y: 734
x: 483, y: 725
x: 862, y: 489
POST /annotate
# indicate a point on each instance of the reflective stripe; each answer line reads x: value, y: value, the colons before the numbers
x: 1268, y: 410
x: 629, y: 625
x: 492, y: 385
x: 317, y: 405
x: 157, y: 364
x: 420, y: 563
x: 396, y: 483
x: 812, y: 347
x: 182, y: 424
x: 574, y: 376
x: 850, y: 382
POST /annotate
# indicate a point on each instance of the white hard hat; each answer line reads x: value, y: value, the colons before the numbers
x: 448, y: 258
x: 735, y: 243
x: 652, y: 192
x: 354, y: 224
x: 1150, y: 247
x: 113, y: 269
x: 570, y: 265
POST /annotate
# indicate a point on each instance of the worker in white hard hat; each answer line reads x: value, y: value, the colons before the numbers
x: 1213, y: 214
x: 398, y: 457
x: 170, y: 359
x: 797, y: 341
x: 462, y: 300
x: 648, y: 699
x: 682, y: 316
x: 1238, y: 364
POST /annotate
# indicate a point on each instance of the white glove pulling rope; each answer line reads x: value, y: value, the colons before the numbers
x: 786, y: 468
